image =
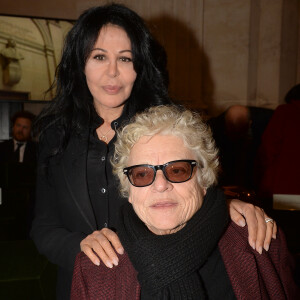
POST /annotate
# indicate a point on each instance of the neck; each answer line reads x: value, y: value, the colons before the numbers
x: 105, y: 132
x: 109, y: 114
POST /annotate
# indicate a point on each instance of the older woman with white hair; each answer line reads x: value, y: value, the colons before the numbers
x: 175, y: 228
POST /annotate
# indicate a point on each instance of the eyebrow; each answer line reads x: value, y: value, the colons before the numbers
x: 122, y: 51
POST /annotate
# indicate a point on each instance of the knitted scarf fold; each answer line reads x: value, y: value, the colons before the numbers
x: 168, y: 265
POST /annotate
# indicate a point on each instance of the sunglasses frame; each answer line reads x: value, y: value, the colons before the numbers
x: 192, y: 163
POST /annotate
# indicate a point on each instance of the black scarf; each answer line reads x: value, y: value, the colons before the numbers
x: 168, y: 265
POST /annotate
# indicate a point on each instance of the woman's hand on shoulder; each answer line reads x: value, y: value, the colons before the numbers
x: 102, y: 244
x: 260, y: 231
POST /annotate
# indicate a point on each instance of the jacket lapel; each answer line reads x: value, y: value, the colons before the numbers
x: 74, y: 172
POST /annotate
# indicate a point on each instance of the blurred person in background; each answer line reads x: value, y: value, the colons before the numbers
x: 20, y: 148
x: 279, y: 155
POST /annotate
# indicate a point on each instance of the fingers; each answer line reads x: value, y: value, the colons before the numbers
x: 266, y: 231
x: 260, y: 232
x: 104, y: 250
x: 114, y: 239
x: 268, y: 238
x: 237, y: 218
x: 102, y: 244
x: 242, y: 212
x: 271, y: 233
x: 90, y: 254
x: 274, y: 231
x: 256, y: 228
x: 235, y: 215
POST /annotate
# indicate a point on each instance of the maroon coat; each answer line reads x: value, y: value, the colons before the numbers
x: 252, y: 275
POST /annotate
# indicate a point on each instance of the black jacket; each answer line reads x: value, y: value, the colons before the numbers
x: 7, y: 151
x: 64, y: 214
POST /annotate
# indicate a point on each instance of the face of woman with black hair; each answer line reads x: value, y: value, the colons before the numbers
x: 109, y: 70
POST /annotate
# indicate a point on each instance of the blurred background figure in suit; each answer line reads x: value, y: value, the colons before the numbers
x: 20, y: 148
x: 17, y: 178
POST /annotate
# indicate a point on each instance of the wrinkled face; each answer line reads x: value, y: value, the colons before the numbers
x: 21, y: 129
x: 163, y: 206
x: 109, y: 69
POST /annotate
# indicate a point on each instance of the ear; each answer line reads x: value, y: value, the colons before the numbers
x: 204, y: 191
x: 130, y: 200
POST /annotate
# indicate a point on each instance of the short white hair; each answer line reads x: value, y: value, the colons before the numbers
x: 168, y: 120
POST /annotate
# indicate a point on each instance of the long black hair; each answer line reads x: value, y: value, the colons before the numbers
x: 72, y: 107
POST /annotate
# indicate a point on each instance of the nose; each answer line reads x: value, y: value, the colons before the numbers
x: 112, y: 69
x: 160, y: 183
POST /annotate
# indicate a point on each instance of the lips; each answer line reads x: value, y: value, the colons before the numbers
x: 164, y: 205
x: 111, y: 89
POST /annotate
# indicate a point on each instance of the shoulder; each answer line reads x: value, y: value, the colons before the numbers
x: 6, y: 147
x: 48, y: 143
x: 100, y: 282
x: 282, y: 110
x: 85, y: 271
x: 236, y: 238
x: 53, y: 134
x: 85, y: 265
x: 92, y: 272
x: 50, y: 134
x: 51, y: 139
x: 6, y: 143
x: 248, y: 270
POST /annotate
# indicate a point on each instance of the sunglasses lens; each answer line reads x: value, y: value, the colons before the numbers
x: 178, y: 171
x: 141, y: 175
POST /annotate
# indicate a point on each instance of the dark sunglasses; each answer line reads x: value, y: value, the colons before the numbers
x: 175, y: 171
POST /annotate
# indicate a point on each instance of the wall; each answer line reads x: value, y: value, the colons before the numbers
x: 38, y: 48
x: 221, y: 52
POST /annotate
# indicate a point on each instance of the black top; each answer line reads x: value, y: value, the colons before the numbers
x: 70, y: 198
x: 102, y: 184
